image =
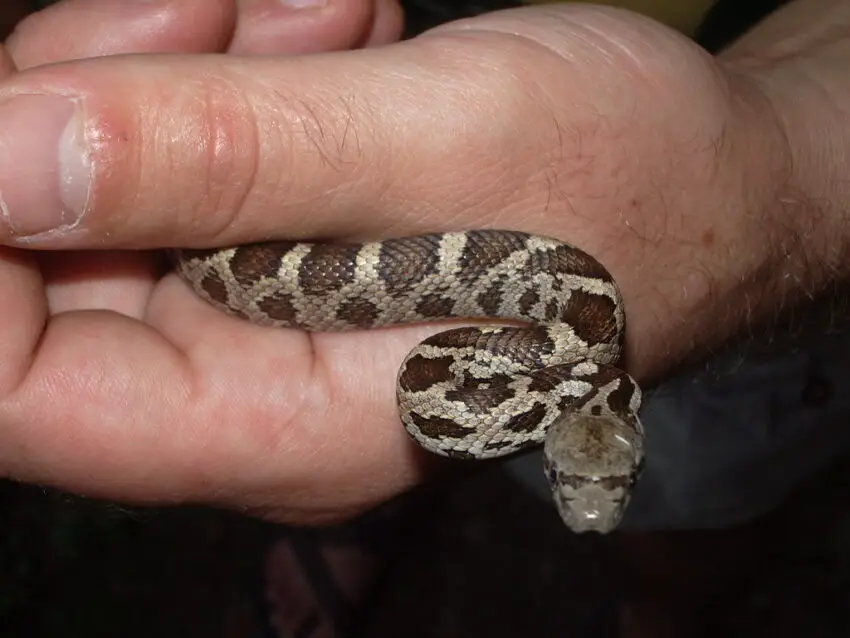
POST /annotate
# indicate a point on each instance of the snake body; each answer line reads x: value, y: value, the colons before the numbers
x: 472, y: 392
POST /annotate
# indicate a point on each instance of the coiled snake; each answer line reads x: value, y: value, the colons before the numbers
x: 473, y: 392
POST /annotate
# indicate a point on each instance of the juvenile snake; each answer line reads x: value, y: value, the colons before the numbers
x: 473, y: 392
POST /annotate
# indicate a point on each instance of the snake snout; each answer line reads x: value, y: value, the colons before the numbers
x: 588, y: 507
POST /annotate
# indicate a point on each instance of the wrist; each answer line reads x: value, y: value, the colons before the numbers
x: 809, y: 211
x: 797, y: 61
x: 733, y: 262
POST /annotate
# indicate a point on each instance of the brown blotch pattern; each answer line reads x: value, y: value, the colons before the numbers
x: 483, y: 400
x: 494, y: 446
x: 485, y: 249
x: 527, y: 301
x: 455, y: 338
x: 214, y: 286
x: 524, y: 345
x: 591, y: 316
x: 565, y: 259
x: 491, y: 299
x: 327, y: 268
x: 436, y: 427
x: 547, y: 379
x: 527, y: 421
x: 420, y: 373
x: 528, y: 346
x: 619, y: 398
x: 358, y: 312
x: 489, y: 382
x: 279, y: 307
x: 404, y: 262
x: 568, y: 403
x: 250, y: 264
x: 604, y: 375
x: 459, y: 454
x: 435, y: 306
x: 579, y: 402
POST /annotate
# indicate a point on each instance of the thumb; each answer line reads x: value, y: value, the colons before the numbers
x: 152, y: 151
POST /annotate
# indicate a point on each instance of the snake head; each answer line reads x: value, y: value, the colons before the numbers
x: 592, y: 463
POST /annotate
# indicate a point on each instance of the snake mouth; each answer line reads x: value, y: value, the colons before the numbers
x: 582, y: 518
x: 589, y: 508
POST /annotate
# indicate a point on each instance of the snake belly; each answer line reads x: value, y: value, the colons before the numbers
x: 482, y: 391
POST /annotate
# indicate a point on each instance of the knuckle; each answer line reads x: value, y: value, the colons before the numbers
x: 225, y: 152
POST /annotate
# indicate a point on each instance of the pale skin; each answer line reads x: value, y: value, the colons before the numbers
x: 712, y: 189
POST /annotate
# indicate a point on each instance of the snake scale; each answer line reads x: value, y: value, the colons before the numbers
x: 472, y: 392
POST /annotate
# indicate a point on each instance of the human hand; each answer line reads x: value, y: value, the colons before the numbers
x: 584, y: 123
x: 86, y: 28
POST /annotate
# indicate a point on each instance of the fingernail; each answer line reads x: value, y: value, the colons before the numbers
x: 304, y: 4
x: 45, y: 172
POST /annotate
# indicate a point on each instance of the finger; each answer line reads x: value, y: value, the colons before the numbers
x: 117, y: 281
x: 305, y: 26
x: 7, y: 65
x: 241, y: 148
x: 197, y: 407
x: 23, y: 316
x: 388, y: 24
x: 25, y: 306
x: 88, y: 28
